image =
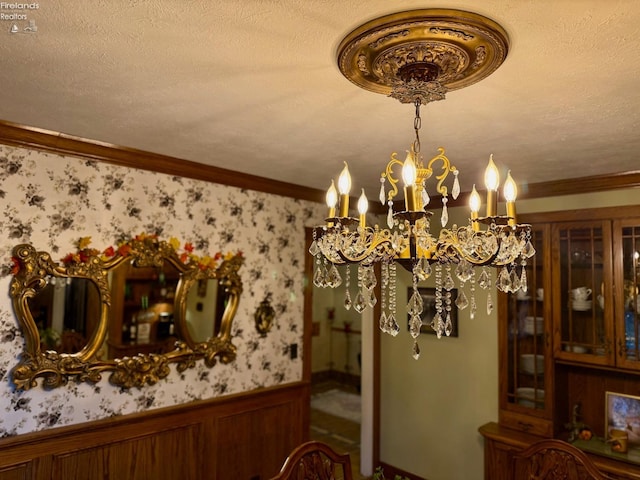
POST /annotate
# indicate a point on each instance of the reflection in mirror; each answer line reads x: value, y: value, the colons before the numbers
x: 66, y: 312
x: 204, y: 306
x: 142, y: 316
x: 131, y: 311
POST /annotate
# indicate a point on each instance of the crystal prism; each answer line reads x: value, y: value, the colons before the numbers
x: 414, y: 326
x: 390, y: 216
x: 514, y: 281
x: 318, y: 277
x: 394, y: 328
x: 462, y: 302
x: 448, y: 282
x: 368, y: 278
x: 371, y: 298
x: 360, y: 303
x: 415, y: 305
x: 455, y: 191
x: 314, y: 249
x: 448, y: 325
x: 523, y: 280
x: 528, y: 251
x: 416, y: 350
x: 484, y: 281
x: 425, y: 198
x: 347, y: 301
x: 334, y: 279
x: 383, y: 323
x: 504, y: 281
x: 382, y: 191
x: 444, y: 218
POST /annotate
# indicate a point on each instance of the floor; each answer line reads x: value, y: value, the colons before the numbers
x: 342, y: 435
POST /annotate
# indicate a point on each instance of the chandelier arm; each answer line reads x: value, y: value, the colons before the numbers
x: 389, y: 174
x: 380, y: 244
x: 447, y: 168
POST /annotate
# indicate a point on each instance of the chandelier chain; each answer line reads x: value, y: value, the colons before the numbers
x: 417, y: 123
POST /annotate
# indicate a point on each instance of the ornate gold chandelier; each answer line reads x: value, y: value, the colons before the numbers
x: 416, y: 57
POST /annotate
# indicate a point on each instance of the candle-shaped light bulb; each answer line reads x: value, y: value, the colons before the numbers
x: 409, y: 177
x: 332, y: 201
x: 344, y: 185
x: 363, y: 206
x: 474, y: 200
x: 491, y: 175
x: 344, y: 181
x: 409, y: 171
x: 474, y: 205
x: 510, y: 193
x: 491, y: 181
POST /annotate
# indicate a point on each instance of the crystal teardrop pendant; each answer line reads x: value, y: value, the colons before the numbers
x: 415, y: 305
x: 383, y: 323
x: 414, y: 326
x: 514, y: 281
x: 444, y: 218
x: 416, y: 350
x: 523, y: 280
x: 347, y: 300
x: 368, y: 278
x: 360, y: 304
x: 484, y: 281
x: 314, y: 249
x: 318, y: 277
x: 334, y: 279
x: 371, y: 298
x: 382, y: 191
x: 455, y: 191
x: 464, y: 270
x: 425, y: 198
x: 504, y: 281
x: 394, y: 328
x: 390, y: 215
x: 462, y: 302
x: 448, y: 325
x: 528, y: 251
x: 448, y: 282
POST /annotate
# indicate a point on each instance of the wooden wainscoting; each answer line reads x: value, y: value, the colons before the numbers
x: 239, y: 437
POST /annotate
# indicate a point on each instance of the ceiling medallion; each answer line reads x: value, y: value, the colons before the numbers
x: 419, y: 55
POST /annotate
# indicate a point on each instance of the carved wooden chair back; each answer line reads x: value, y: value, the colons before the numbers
x: 554, y: 460
x: 315, y: 461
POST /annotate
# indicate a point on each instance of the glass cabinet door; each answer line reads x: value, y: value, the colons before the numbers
x: 582, y: 280
x: 627, y: 304
x: 525, y: 348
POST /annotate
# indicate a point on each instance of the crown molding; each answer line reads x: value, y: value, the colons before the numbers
x: 60, y: 143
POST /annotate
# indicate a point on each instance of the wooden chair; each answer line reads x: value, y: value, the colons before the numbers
x: 554, y: 460
x: 315, y: 461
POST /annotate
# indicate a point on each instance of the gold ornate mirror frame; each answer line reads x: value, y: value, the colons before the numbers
x: 33, y: 270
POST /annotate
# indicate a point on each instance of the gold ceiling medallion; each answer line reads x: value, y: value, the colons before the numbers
x: 422, y: 54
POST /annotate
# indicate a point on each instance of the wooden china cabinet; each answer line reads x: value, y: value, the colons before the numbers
x: 561, y: 352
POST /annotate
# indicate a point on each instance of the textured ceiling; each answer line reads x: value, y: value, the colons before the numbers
x: 253, y: 86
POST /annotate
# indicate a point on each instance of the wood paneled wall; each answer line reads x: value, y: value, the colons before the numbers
x: 239, y: 437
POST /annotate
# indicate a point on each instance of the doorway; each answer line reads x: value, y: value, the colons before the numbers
x: 343, y: 370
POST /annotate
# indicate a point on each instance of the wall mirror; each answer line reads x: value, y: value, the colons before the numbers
x: 130, y: 311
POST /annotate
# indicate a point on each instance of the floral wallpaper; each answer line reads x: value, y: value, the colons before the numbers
x: 52, y: 200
